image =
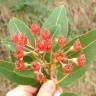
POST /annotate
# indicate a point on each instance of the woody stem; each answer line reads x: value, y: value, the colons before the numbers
x: 52, y: 71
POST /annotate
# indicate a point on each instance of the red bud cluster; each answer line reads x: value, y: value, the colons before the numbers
x: 20, y: 40
x: 44, y: 43
x: 61, y: 41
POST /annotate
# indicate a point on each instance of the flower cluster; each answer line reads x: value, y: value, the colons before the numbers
x: 20, y: 40
x: 44, y: 44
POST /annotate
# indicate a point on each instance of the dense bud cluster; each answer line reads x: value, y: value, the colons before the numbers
x: 61, y: 41
x: 68, y: 67
x: 35, y: 28
x: 35, y: 66
x: 44, y: 44
x: 76, y: 46
x: 20, y: 40
x: 45, y: 34
x: 59, y: 56
x: 20, y: 65
x: 40, y: 77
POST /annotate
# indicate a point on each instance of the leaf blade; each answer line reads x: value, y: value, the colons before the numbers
x: 7, y: 70
x: 89, y: 50
x: 68, y: 94
x: 17, y: 26
x: 58, y: 17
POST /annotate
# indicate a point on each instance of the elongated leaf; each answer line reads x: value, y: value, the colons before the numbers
x: 89, y: 44
x: 55, y: 30
x: 26, y: 73
x: 58, y: 17
x: 6, y: 69
x: 7, y: 64
x: 68, y: 94
x: 18, y: 79
x: 16, y: 25
x: 28, y: 58
x: 8, y: 43
x: 85, y: 39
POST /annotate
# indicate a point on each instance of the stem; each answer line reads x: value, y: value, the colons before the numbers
x: 61, y: 79
x: 66, y: 52
x: 26, y: 49
x: 52, y: 71
x: 30, y: 46
x: 51, y: 52
x: 34, y: 53
x: 27, y: 65
x: 63, y: 64
x: 43, y: 57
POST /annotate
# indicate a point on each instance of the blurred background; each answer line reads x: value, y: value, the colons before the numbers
x: 82, y: 16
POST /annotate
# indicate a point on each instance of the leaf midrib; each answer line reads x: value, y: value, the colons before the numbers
x: 17, y: 27
x: 57, y: 17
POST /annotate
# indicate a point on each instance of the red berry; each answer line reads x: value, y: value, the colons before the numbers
x: 35, y: 66
x: 35, y: 28
x: 81, y: 60
x: 45, y: 34
x: 23, y: 39
x: 40, y: 77
x: 77, y: 45
x: 61, y: 41
x: 15, y: 38
x: 67, y: 68
x: 20, y: 65
x: 18, y: 53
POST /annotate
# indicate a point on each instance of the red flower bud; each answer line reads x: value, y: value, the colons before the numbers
x: 67, y: 68
x: 40, y: 77
x: 35, y: 28
x: 20, y: 48
x: 81, y: 60
x: 35, y: 66
x: 23, y: 39
x: 48, y: 45
x: 59, y: 56
x: 61, y: 41
x: 40, y: 45
x: 15, y: 38
x: 18, y: 53
x: 77, y: 45
x: 20, y: 65
x: 45, y: 34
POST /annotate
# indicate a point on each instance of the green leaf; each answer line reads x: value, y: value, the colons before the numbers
x: 26, y: 73
x: 28, y: 58
x: 85, y: 39
x: 6, y: 41
x: 7, y: 70
x: 16, y: 25
x: 58, y: 17
x: 88, y: 41
x: 68, y: 94
x: 6, y: 64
